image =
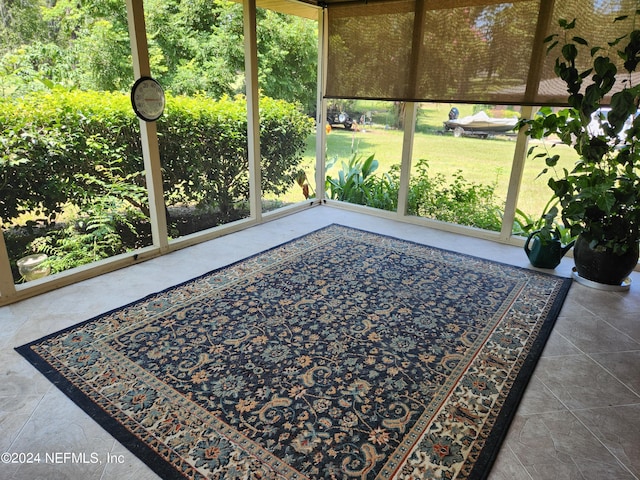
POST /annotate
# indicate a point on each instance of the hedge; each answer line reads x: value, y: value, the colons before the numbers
x: 66, y: 147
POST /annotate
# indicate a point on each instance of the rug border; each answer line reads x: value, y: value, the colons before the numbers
x: 486, y: 459
x: 128, y: 439
x: 165, y: 469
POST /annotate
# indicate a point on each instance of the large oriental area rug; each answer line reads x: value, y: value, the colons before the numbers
x: 341, y: 354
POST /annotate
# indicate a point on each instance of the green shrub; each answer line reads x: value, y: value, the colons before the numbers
x: 203, y: 146
x: 354, y: 181
x: 461, y: 202
x: 52, y: 144
x: 98, y: 232
x: 383, y: 190
x: 80, y: 152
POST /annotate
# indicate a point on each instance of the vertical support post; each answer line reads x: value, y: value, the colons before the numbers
x: 416, y: 46
x: 7, y: 287
x: 148, y: 130
x: 538, y: 53
x: 533, y: 81
x: 410, y: 114
x: 411, y: 108
x: 253, y: 107
x: 515, y: 179
x: 321, y: 105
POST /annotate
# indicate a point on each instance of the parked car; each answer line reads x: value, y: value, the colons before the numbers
x: 337, y: 117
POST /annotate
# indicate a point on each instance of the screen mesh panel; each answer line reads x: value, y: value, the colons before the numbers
x: 595, y: 23
x: 465, y: 51
x: 370, y: 55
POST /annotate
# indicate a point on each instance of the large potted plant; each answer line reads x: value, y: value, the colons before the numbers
x: 600, y: 197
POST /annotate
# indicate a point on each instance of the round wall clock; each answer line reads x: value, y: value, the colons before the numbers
x: 147, y: 99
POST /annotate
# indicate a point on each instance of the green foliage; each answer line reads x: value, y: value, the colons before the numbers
x: 97, y: 231
x: 547, y: 225
x: 383, y: 190
x: 59, y: 148
x: 55, y: 43
x: 203, y: 145
x: 600, y: 196
x: 288, y: 57
x: 52, y: 144
x: 462, y: 202
x: 194, y: 47
x: 80, y: 151
x: 20, y: 23
x: 354, y: 181
x: 283, y: 138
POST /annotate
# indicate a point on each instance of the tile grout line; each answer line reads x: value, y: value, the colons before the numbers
x: 588, y: 355
x: 637, y: 394
x: 572, y: 411
x: 619, y: 331
x: 519, y: 461
x: 624, y: 465
x: 596, y: 437
x: 26, y: 422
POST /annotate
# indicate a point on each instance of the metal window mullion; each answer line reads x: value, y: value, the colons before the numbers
x: 409, y: 122
x: 148, y: 130
x: 7, y: 287
x: 538, y: 53
x: 411, y: 108
x: 515, y: 179
x: 253, y: 107
x: 321, y: 106
x: 536, y: 61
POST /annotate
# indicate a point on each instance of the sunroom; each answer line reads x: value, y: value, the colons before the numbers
x: 397, y: 69
x: 374, y: 58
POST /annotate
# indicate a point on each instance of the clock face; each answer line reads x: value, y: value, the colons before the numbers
x: 147, y: 98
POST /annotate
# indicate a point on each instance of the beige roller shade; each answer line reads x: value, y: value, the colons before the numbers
x: 459, y: 51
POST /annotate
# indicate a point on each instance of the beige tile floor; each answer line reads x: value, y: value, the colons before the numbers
x: 579, y: 419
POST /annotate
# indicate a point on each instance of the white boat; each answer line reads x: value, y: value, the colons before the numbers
x: 480, y: 125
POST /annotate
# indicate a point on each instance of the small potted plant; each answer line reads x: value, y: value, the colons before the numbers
x: 600, y: 197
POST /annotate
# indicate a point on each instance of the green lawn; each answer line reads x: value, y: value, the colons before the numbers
x: 483, y: 161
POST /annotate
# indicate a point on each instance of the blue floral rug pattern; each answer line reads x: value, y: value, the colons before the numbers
x: 341, y: 354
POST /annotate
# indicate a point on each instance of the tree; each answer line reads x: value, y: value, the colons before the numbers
x: 194, y: 47
x: 287, y: 57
